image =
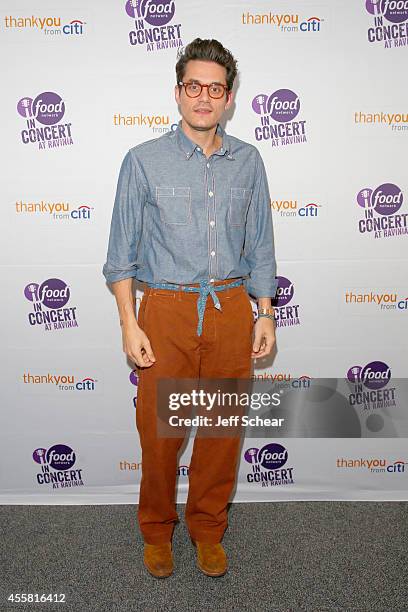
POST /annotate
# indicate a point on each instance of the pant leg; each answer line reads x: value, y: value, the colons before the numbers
x: 170, y: 323
x: 225, y: 353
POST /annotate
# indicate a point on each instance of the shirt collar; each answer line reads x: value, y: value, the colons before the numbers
x: 188, y: 146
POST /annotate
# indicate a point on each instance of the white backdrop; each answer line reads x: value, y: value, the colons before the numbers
x: 68, y: 388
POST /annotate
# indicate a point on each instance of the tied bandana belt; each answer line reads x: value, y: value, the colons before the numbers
x: 206, y: 288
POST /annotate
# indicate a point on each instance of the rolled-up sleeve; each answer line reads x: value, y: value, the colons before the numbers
x: 259, y: 247
x: 126, y: 223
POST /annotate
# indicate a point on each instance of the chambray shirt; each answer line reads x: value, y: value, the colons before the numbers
x: 182, y: 218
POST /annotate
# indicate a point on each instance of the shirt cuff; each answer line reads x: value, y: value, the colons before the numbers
x: 261, y: 289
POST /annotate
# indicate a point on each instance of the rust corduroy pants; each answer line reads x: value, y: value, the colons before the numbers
x: 169, y: 319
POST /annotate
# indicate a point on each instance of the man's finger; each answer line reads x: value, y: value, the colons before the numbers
x: 257, y: 341
x: 149, y: 352
x: 141, y: 358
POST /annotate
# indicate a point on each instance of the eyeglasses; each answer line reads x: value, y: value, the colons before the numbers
x: 215, y: 90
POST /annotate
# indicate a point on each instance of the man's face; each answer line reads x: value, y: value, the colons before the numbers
x: 203, y: 113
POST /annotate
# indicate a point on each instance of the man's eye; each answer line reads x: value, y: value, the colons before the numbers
x: 216, y: 88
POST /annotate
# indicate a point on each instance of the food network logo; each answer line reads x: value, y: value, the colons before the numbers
x: 50, y: 26
x: 380, y: 206
x: 267, y: 465
x: 53, y: 294
x: 389, y: 22
x: 43, y: 116
x: 277, y: 114
x: 291, y: 208
x: 369, y: 386
x: 58, y: 211
x: 286, y: 314
x: 152, y: 24
x: 284, y: 22
x: 61, y: 382
x: 57, y: 467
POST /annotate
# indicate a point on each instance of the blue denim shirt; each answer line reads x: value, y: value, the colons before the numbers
x: 182, y: 218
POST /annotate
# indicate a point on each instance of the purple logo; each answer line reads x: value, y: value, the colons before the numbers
x: 271, y: 456
x: 260, y: 104
x: 284, y: 292
x: 286, y: 313
x: 269, y: 465
x: 133, y: 377
x: 158, y: 14
x: 251, y: 455
x: 353, y: 374
x: 48, y: 109
x: 61, y: 458
x: 277, y: 113
x: 385, y: 200
x: 375, y: 375
x: 53, y: 293
x: 154, y: 12
x: 364, y: 198
x: 39, y: 455
x: 395, y: 11
x: 283, y: 105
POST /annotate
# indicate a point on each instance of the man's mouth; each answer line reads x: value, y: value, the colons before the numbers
x: 203, y: 111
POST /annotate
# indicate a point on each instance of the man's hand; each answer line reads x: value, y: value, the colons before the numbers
x: 136, y: 345
x: 264, y: 338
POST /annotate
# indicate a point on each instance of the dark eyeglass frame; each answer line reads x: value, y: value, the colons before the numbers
x: 201, y: 89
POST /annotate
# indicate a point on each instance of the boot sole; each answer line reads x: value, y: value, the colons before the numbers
x: 155, y: 574
x: 212, y: 574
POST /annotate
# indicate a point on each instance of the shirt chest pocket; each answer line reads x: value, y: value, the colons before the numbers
x: 174, y: 205
x: 239, y: 202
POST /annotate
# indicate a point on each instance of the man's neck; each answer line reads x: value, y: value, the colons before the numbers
x: 208, y: 140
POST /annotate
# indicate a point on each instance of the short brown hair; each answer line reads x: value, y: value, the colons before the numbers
x: 209, y: 50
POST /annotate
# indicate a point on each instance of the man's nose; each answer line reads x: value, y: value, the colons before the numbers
x: 204, y: 95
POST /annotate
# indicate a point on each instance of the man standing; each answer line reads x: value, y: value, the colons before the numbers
x: 192, y: 221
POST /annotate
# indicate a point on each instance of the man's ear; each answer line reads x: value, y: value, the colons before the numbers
x: 230, y: 96
x: 177, y: 94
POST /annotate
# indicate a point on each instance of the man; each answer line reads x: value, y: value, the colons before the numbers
x: 192, y: 220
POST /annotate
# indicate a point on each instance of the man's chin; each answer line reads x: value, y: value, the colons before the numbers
x: 205, y: 125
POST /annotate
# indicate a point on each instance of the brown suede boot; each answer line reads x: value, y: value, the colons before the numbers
x: 158, y: 559
x: 211, y: 558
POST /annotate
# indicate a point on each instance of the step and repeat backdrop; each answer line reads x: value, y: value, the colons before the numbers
x: 322, y: 93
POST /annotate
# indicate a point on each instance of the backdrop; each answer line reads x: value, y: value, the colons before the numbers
x: 321, y: 92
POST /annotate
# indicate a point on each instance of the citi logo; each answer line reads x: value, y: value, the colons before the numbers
x: 49, y: 25
x: 63, y: 382
x: 290, y: 208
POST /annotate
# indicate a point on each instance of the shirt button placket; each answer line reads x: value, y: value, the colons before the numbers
x: 211, y: 218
